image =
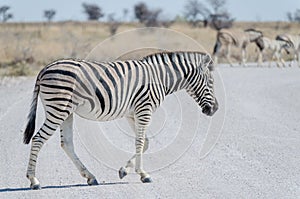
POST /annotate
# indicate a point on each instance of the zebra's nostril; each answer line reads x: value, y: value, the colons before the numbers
x: 206, y: 110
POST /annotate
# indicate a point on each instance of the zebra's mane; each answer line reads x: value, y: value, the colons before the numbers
x: 172, y: 53
x: 253, y: 30
x: 207, y: 58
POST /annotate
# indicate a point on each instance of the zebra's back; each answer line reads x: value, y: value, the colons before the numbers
x: 96, y: 91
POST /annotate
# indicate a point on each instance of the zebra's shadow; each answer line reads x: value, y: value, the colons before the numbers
x: 60, y: 186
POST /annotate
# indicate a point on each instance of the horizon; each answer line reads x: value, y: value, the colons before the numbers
x: 246, y: 11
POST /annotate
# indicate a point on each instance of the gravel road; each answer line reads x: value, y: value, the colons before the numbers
x: 256, y: 156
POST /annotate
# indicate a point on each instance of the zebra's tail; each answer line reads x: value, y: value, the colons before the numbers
x: 217, y: 45
x: 30, y: 127
x: 285, y: 39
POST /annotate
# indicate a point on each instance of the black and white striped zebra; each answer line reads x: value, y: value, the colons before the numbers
x: 293, y: 47
x: 105, y: 91
x: 276, y: 46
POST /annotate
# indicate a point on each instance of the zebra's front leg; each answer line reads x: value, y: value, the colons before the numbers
x: 280, y: 60
x: 244, y: 56
x: 68, y: 147
x: 139, y: 146
x: 260, y: 59
x: 131, y: 162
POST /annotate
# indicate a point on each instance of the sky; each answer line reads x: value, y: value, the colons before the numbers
x: 241, y: 10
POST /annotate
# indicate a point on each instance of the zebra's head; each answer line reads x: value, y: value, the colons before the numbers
x: 201, y: 86
x: 286, y: 43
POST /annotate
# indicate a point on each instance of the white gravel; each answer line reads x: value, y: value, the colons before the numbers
x: 256, y: 156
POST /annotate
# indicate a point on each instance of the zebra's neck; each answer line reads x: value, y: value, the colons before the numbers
x: 170, y: 70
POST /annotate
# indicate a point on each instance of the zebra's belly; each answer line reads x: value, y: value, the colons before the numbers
x: 97, y: 115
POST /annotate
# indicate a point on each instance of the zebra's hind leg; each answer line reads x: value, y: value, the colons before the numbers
x: 244, y: 57
x: 131, y: 162
x: 45, y: 132
x: 68, y: 146
x: 228, y: 54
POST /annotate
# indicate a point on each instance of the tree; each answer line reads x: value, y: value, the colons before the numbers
x: 294, y: 17
x: 93, y: 11
x: 290, y: 16
x: 141, y: 12
x: 297, y: 15
x: 220, y: 21
x: 195, y: 12
x: 4, y: 15
x: 147, y: 16
x: 125, y: 14
x: 113, y: 24
x: 215, y: 14
x: 49, y: 14
x: 217, y: 5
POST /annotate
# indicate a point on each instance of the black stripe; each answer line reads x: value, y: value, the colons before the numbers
x: 106, y: 86
x: 91, y: 101
x: 169, y: 74
x: 58, y: 79
x: 46, y: 131
x: 121, y: 78
x: 56, y: 117
x: 41, y: 137
x: 116, y: 69
x: 60, y: 72
x: 52, y: 121
x: 57, y: 87
x: 59, y: 99
x: 58, y: 109
x: 122, y: 67
x: 97, y: 91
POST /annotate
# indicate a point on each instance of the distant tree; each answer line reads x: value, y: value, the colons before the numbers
x: 4, y: 15
x: 290, y: 16
x: 93, y: 11
x: 217, y: 5
x: 49, y: 14
x: 196, y: 12
x: 141, y: 12
x: 125, y: 14
x: 113, y: 24
x: 294, y: 17
x: 297, y: 15
x: 147, y: 16
x: 215, y: 15
x: 220, y: 21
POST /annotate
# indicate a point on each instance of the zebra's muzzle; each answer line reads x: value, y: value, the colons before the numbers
x: 210, y: 110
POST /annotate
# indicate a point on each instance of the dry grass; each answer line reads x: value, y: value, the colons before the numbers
x: 26, y: 47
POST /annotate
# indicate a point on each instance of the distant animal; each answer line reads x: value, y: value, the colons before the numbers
x: 239, y: 39
x: 103, y: 91
x: 294, y: 45
x: 275, y: 46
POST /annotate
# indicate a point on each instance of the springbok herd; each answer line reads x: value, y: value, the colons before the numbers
x: 241, y: 39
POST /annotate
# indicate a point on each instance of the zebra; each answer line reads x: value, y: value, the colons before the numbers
x: 104, y: 91
x: 276, y: 46
x: 294, y: 44
x: 240, y: 39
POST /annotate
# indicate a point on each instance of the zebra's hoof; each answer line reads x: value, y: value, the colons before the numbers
x: 122, y: 172
x: 146, y: 179
x: 92, y: 181
x: 35, y: 186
